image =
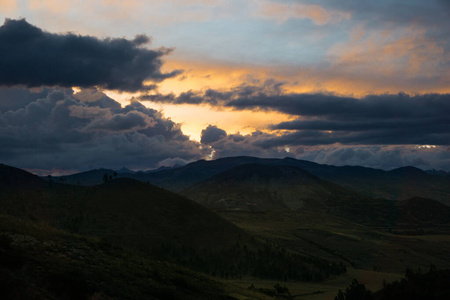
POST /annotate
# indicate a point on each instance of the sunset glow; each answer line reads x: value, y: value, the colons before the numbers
x: 308, y: 79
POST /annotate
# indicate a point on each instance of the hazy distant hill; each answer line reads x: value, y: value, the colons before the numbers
x: 88, y: 178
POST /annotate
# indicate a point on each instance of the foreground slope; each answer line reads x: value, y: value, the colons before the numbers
x: 161, y: 224
x: 40, y: 262
x: 120, y: 210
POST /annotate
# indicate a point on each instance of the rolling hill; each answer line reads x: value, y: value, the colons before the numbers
x: 40, y: 262
x: 258, y: 187
x: 161, y: 224
x: 398, y: 184
x: 269, y: 188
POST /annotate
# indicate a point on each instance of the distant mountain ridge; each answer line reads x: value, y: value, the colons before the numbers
x: 397, y: 184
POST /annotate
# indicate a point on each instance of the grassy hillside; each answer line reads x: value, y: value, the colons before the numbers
x: 341, y: 240
x: 257, y: 187
x: 264, y: 188
x: 160, y: 224
x: 40, y: 262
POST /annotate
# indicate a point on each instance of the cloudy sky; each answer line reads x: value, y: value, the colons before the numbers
x: 142, y: 84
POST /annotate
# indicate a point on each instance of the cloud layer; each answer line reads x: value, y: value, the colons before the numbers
x: 33, y: 57
x: 57, y: 129
x: 387, y: 157
x: 323, y: 119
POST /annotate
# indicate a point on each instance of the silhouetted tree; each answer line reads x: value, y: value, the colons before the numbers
x: 356, y: 291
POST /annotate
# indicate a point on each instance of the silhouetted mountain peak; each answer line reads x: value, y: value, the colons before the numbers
x: 14, y: 177
x: 408, y: 170
x: 124, y: 170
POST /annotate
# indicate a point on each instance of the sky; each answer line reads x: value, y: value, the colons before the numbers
x: 143, y: 84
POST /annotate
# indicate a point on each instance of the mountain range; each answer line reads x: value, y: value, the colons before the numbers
x: 266, y: 219
x: 397, y: 184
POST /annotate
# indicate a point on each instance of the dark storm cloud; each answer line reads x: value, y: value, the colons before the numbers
x: 131, y: 121
x: 33, y: 57
x: 237, y: 144
x: 15, y: 98
x: 89, y: 130
x: 212, y: 134
x: 324, y: 119
x: 379, y: 107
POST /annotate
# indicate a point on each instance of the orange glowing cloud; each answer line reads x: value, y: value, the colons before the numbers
x: 200, y: 75
x: 53, y: 6
x: 341, y: 80
x: 283, y: 12
x: 195, y: 118
x: 8, y: 6
x: 398, y: 55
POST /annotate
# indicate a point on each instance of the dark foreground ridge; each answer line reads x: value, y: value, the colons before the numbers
x: 163, y: 225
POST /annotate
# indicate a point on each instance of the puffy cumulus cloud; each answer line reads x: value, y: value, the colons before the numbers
x: 57, y: 129
x: 131, y: 121
x: 223, y: 144
x: 212, y: 134
x: 21, y: 97
x: 33, y: 58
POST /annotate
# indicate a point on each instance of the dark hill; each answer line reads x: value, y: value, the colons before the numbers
x: 124, y: 210
x: 88, y: 178
x: 40, y: 262
x: 160, y: 224
x: 14, y: 177
x: 257, y: 187
x: 402, y: 183
x: 422, y: 210
x: 142, y: 215
x: 266, y: 188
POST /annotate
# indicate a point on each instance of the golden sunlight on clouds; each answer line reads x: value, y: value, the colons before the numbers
x: 200, y: 75
x: 396, y: 53
x: 54, y: 6
x: 195, y: 118
x: 283, y: 12
x: 8, y: 6
x: 353, y: 74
